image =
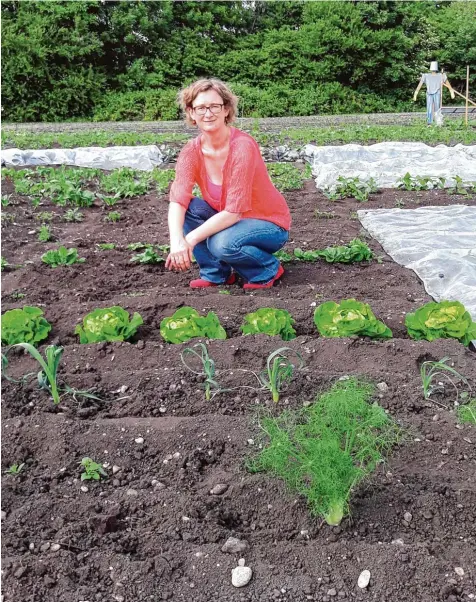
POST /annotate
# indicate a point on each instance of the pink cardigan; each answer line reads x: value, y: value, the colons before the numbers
x: 247, y: 188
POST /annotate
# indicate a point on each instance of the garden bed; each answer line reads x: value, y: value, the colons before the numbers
x: 153, y: 531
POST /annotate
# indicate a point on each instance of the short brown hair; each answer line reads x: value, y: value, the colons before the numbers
x: 187, y: 95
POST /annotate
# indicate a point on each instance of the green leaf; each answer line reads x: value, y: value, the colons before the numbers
x: 186, y: 323
x: 443, y: 320
x: 25, y: 325
x: 349, y: 318
x: 108, y: 324
x: 270, y: 321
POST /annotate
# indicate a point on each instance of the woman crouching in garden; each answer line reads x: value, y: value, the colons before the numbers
x: 242, y: 218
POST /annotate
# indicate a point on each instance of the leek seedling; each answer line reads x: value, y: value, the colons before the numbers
x: 47, y: 376
x: 279, y: 369
x: 430, y: 370
x: 208, y: 368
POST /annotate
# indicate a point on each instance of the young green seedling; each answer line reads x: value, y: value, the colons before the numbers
x: 92, y: 470
x: 279, y: 369
x: 15, y: 469
x: 431, y: 370
x: 208, y: 368
x: 467, y: 413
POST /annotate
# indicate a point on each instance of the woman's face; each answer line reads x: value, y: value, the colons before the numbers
x: 213, y: 119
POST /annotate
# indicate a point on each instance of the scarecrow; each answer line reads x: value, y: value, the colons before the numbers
x: 434, y: 82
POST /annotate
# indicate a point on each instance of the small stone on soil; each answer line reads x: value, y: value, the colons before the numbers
x: 219, y: 489
x: 364, y: 579
x: 55, y: 547
x: 383, y: 387
x: 139, y: 440
x: 3, y: 515
x: 84, y: 489
x: 408, y: 517
x: 115, y: 469
x: 234, y: 545
x: 459, y: 571
x: 132, y: 492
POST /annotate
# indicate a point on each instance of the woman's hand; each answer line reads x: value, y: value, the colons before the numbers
x: 180, y: 256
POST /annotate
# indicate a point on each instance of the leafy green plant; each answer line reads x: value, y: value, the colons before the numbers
x: 25, y: 325
x: 125, y: 182
x: 467, y: 412
x: 92, y: 470
x: 325, y: 450
x: 279, y: 370
x: 15, y: 469
x: 324, y: 214
x: 443, y: 320
x: 349, y: 318
x: 45, y: 216
x: 283, y: 256
x: 109, y: 201
x: 270, y: 321
x: 186, y: 323
x: 113, y: 216
x: 460, y: 187
x: 108, y: 324
x: 47, y: 376
x: 73, y: 215
x: 285, y: 176
x: 148, y: 256
x: 351, y: 188
x: 73, y: 195
x: 137, y: 246
x: 5, y: 201
x: 61, y: 256
x: 44, y: 234
x: 162, y: 178
x: 207, y: 367
x: 408, y: 182
x: 356, y: 250
x: 105, y: 246
x: 432, y: 370
x: 3, y: 263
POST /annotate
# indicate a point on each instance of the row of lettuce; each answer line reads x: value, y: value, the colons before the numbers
x: 443, y: 320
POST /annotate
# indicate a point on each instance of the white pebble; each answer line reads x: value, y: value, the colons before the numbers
x: 84, y: 489
x: 131, y: 492
x: 3, y: 515
x: 55, y: 547
x: 383, y: 387
x: 364, y: 579
x: 139, y: 440
x: 115, y: 469
x: 459, y: 571
x: 241, y: 575
x: 408, y: 517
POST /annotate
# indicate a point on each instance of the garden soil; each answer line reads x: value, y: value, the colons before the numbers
x: 152, y: 530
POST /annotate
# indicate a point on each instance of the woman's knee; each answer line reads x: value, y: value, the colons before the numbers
x: 221, y: 247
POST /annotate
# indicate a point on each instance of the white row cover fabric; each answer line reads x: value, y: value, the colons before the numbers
x: 144, y: 158
x: 438, y: 243
x: 387, y: 162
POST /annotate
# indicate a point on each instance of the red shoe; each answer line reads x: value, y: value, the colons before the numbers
x: 257, y: 285
x: 200, y: 283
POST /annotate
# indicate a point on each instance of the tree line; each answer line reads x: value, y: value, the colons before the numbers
x: 126, y: 60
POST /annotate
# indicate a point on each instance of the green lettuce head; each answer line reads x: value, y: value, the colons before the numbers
x: 108, y: 324
x: 348, y: 318
x: 24, y: 326
x: 271, y: 321
x: 186, y: 324
x: 443, y: 320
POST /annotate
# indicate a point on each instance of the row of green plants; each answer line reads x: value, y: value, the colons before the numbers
x: 443, y: 320
x: 354, y: 187
x: 452, y: 132
x: 356, y: 250
x: 323, y: 451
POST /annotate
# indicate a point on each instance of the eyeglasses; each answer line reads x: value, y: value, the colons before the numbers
x: 202, y: 109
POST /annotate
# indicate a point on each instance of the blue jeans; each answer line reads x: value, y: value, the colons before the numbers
x: 433, y: 102
x: 246, y: 247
